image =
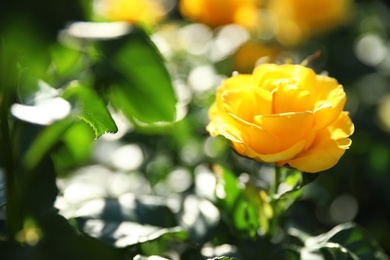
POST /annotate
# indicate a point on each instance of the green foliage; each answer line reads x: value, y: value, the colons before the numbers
x: 36, y: 230
x: 90, y: 108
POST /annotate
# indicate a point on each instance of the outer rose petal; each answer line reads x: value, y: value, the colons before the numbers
x: 240, y: 81
x: 281, y: 156
x: 332, y: 93
x: 329, y: 146
x: 245, y: 150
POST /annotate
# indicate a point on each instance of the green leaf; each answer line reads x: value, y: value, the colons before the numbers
x: 66, y: 61
x: 142, y: 210
x: 63, y: 241
x: 348, y: 240
x: 45, y: 142
x: 77, y: 144
x: 90, y: 108
x: 286, y: 254
x: 228, y: 188
x: 294, y: 180
x: 140, y: 85
x: 242, y: 211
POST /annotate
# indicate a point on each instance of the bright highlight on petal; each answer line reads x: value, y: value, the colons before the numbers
x: 283, y: 114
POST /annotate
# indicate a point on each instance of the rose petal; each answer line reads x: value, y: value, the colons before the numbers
x: 332, y: 93
x: 290, y: 98
x: 290, y: 128
x: 247, y: 103
x: 343, y: 127
x: 277, y: 157
x: 321, y: 157
x: 255, y: 138
x: 328, y: 147
x: 240, y: 81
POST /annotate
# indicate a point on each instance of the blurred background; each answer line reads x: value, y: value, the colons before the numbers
x: 140, y: 170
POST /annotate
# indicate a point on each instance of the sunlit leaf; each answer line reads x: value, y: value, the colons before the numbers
x: 222, y: 258
x: 228, y: 188
x: 335, y: 251
x: 163, y: 241
x: 198, y: 217
x: 260, y: 202
x: 142, y: 210
x: 224, y: 251
x: 152, y: 257
x: 242, y: 212
x: 90, y: 108
x: 140, y: 85
x: 126, y: 233
x: 348, y: 240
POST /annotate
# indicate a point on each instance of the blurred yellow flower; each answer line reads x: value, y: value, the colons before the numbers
x: 134, y: 11
x: 221, y: 12
x: 283, y: 114
x: 296, y: 20
x: 246, y: 57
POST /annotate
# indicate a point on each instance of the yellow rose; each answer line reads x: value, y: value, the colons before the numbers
x: 297, y: 20
x: 283, y: 114
x: 221, y: 12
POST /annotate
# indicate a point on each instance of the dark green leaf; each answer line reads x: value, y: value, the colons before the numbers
x: 45, y: 142
x: 308, y: 178
x: 331, y: 251
x: 62, y: 241
x: 357, y: 241
x: 348, y: 240
x: 77, y: 144
x: 90, y: 108
x: 286, y: 254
